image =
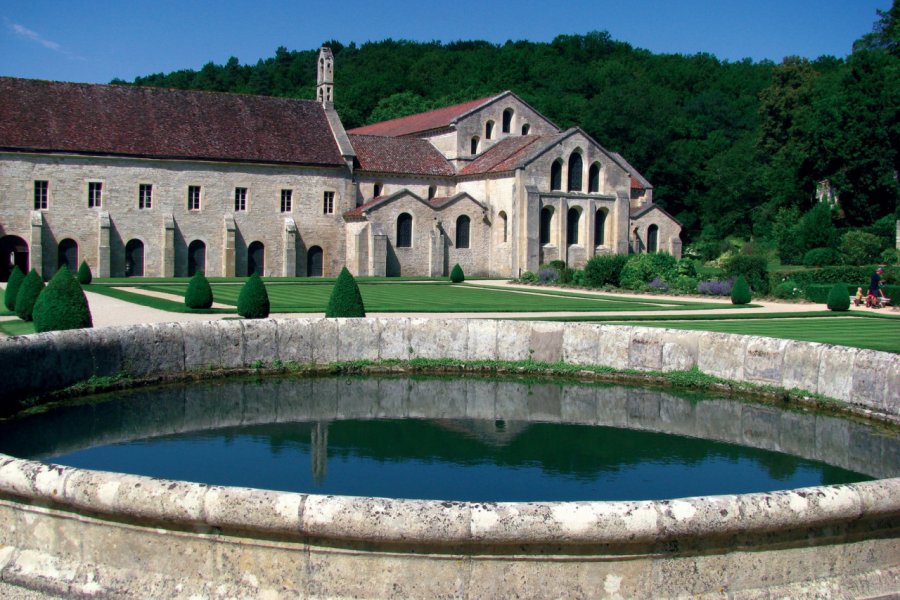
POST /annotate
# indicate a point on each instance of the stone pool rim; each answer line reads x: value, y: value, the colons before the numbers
x: 665, y: 533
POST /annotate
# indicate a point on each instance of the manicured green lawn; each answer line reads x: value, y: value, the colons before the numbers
x: 437, y: 297
x: 859, y: 332
x: 16, y: 327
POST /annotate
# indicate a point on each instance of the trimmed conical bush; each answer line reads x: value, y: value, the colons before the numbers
x: 31, y: 288
x: 12, y: 287
x: 345, y: 301
x: 838, y: 298
x: 253, y: 301
x: 198, y: 294
x: 457, y: 275
x: 84, y: 274
x: 740, y: 291
x: 62, y: 305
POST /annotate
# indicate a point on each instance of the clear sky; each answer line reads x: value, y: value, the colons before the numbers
x: 97, y: 40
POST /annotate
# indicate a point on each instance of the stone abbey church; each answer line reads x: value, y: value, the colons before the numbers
x: 158, y: 182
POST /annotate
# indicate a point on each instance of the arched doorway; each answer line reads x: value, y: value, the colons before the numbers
x: 256, y: 259
x: 196, y: 258
x: 652, y: 238
x: 13, y: 252
x: 67, y: 255
x: 314, y: 262
x: 134, y: 258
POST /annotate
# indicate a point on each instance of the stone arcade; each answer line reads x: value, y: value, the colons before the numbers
x: 159, y: 182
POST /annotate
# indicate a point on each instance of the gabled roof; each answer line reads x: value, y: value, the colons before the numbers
x: 638, y: 181
x: 407, y: 155
x: 640, y: 211
x: 434, y: 119
x: 435, y: 203
x: 46, y: 116
x: 505, y: 155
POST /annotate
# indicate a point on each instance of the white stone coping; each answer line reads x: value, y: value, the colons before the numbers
x: 56, y: 360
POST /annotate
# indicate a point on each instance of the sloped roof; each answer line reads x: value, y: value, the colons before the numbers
x: 434, y: 119
x: 640, y: 211
x: 435, y: 203
x: 413, y: 156
x: 638, y: 181
x: 505, y: 155
x: 163, y: 123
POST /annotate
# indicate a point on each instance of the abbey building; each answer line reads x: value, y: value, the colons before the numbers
x: 158, y: 182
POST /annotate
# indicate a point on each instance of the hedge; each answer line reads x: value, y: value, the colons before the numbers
x: 62, y: 305
x: 753, y: 268
x: 856, y: 275
x: 604, y: 269
x: 818, y: 292
x: 345, y: 301
x: 31, y: 288
x: 84, y: 274
x: 457, y: 275
x: 253, y: 301
x: 838, y: 300
x: 12, y: 287
x: 198, y: 294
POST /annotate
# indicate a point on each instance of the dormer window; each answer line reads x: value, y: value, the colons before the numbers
x: 507, y: 120
x: 488, y: 130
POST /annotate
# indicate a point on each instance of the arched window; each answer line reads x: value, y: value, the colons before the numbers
x: 404, y: 231
x: 13, y: 252
x: 556, y: 175
x: 256, y: 259
x: 575, y: 172
x: 314, y: 262
x: 474, y: 143
x: 573, y: 218
x: 600, y: 228
x: 488, y: 130
x: 507, y: 120
x: 594, y: 178
x: 546, y: 223
x: 432, y: 190
x: 502, y: 217
x: 376, y: 190
x: 196, y: 258
x: 67, y: 255
x: 526, y: 128
x: 462, y: 232
x: 652, y: 238
x: 134, y: 258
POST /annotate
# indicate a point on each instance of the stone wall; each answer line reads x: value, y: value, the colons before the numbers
x: 240, y: 542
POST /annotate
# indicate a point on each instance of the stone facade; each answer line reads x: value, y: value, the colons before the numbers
x: 497, y: 161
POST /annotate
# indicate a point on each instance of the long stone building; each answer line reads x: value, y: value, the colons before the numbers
x: 158, y: 182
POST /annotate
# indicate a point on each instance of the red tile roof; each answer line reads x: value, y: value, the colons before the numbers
x: 360, y: 210
x: 636, y: 185
x: 435, y: 119
x: 505, y: 155
x: 163, y: 123
x: 412, y: 156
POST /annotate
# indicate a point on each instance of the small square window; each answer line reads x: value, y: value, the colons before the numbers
x: 328, y: 203
x: 40, y: 194
x: 240, y: 199
x: 145, y: 196
x: 95, y: 194
x: 286, y: 198
x: 193, y: 197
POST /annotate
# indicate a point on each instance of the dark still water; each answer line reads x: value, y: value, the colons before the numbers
x: 464, y: 439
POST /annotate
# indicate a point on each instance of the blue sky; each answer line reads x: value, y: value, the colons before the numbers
x: 97, y: 40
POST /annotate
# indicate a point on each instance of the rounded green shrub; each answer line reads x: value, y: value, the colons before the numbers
x: 787, y: 290
x: 84, y: 274
x: 641, y: 269
x: 740, y: 291
x: 604, y: 269
x: 456, y: 274
x: 12, y: 287
x: 528, y: 277
x: 838, y: 299
x: 62, y: 305
x: 198, y: 294
x: 31, y: 288
x: 253, y: 301
x: 345, y: 301
x: 821, y: 257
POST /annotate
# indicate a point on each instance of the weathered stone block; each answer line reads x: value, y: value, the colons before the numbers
x: 358, y: 339
x: 106, y: 351
x: 580, y: 341
x: 325, y: 346
x: 296, y: 338
x: 213, y: 344
x: 438, y: 338
x: 645, y: 350
x: 721, y: 355
x: 394, y: 339
x: 545, y: 342
x: 801, y: 366
x: 836, y: 372
x: 152, y: 349
x: 764, y: 360
x: 872, y: 383
x: 482, y: 339
x: 613, y: 346
x: 679, y: 352
x: 513, y: 339
x: 24, y: 358
x: 260, y: 341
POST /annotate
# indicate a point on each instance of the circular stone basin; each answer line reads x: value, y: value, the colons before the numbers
x: 475, y: 440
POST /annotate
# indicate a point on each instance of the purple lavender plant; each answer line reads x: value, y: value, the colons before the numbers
x: 658, y: 284
x: 717, y: 287
x: 548, y: 276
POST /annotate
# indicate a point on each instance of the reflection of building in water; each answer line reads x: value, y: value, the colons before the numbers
x: 319, y: 451
x: 492, y: 433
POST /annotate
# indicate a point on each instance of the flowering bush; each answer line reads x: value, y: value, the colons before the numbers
x: 548, y: 275
x: 658, y: 285
x: 717, y: 287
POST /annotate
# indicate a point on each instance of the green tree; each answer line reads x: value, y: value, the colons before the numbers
x: 84, y: 273
x: 199, y: 293
x: 253, y: 301
x: 456, y: 274
x: 345, y: 300
x: 12, y: 287
x: 62, y: 305
x: 860, y: 247
x: 740, y: 291
x: 31, y: 288
x: 838, y: 299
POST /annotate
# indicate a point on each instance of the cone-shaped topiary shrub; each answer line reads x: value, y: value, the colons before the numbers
x: 12, y: 287
x: 740, y: 291
x: 84, y: 274
x: 345, y: 301
x: 456, y: 274
x: 838, y: 298
x: 62, y: 305
x: 253, y: 301
x: 198, y: 294
x: 31, y: 288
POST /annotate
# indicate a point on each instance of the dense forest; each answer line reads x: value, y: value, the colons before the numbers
x: 732, y: 148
